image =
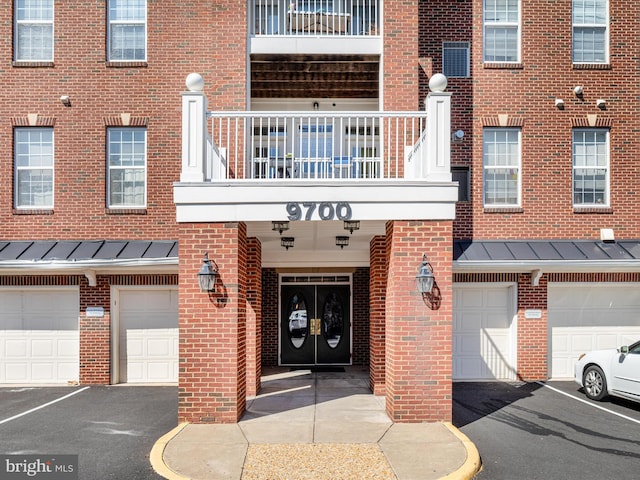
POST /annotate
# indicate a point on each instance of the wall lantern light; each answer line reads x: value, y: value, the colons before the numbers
x: 425, y: 277
x: 287, y: 242
x: 279, y: 226
x: 352, y: 225
x: 342, y: 242
x: 207, y: 274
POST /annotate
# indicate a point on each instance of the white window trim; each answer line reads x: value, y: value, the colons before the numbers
x: 607, y: 167
x: 592, y: 25
x: 518, y: 26
x: 52, y: 168
x: 518, y: 203
x: 458, y: 46
x: 17, y: 24
x: 110, y: 23
x: 145, y: 168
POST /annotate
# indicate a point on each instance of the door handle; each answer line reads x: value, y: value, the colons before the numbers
x: 315, y: 326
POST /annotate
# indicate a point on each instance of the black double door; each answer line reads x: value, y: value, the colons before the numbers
x: 315, y: 325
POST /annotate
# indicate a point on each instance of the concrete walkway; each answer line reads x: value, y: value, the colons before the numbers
x: 306, y: 425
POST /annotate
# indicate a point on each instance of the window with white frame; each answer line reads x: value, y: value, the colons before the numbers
x: 127, y: 167
x: 501, y: 31
x: 33, y: 149
x: 455, y: 59
x: 127, y: 30
x: 33, y: 31
x: 590, y: 35
x: 590, y: 167
x: 501, y: 167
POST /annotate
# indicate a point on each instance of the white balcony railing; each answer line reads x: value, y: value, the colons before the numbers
x: 314, y: 17
x: 279, y: 146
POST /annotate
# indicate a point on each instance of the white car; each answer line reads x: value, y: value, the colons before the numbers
x: 614, y: 372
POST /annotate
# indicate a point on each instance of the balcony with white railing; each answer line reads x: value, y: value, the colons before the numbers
x: 313, y: 146
x: 243, y: 166
x: 315, y: 17
x: 315, y: 27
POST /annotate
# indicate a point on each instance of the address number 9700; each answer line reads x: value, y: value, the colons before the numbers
x: 325, y: 210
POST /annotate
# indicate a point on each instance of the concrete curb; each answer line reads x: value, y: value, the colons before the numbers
x: 472, y: 464
x: 156, y: 456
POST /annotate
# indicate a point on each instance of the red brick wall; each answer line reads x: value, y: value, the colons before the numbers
x: 418, y: 334
x: 269, y: 317
x: 212, y: 376
x: 99, y: 93
x: 254, y: 315
x: 360, y: 297
x: 377, y: 298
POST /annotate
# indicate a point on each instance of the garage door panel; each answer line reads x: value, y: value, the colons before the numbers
x: 148, y: 335
x: 39, y: 340
x: 482, y: 336
x: 590, y: 317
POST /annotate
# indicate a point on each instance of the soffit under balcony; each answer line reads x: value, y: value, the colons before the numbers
x: 315, y: 76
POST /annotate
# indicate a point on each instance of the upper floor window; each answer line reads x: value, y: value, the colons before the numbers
x: 590, y: 37
x: 127, y: 167
x: 501, y: 167
x: 127, y: 30
x: 455, y: 59
x: 590, y: 167
x: 33, y: 31
x: 33, y: 149
x: 501, y: 31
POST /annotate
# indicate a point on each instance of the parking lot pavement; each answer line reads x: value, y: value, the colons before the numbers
x: 111, y: 428
x: 547, y: 431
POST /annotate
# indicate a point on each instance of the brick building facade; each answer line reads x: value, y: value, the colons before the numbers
x: 117, y: 182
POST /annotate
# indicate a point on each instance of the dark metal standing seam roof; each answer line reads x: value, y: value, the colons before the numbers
x: 544, y: 250
x: 69, y: 250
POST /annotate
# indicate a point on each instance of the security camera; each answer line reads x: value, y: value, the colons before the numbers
x: 65, y: 100
x: 457, y: 135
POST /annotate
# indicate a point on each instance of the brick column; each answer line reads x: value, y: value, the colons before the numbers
x: 532, y: 332
x: 254, y: 315
x: 95, y: 333
x: 212, y: 380
x: 418, y: 335
x: 377, y: 295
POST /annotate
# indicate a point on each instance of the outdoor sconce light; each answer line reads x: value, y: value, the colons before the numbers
x: 352, y: 225
x: 287, y: 242
x: 342, y: 242
x: 207, y: 274
x: 316, y: 105
x: 425, y: 278
x: 280, y: 226
x: 559, y: 103
x: 65, y: 100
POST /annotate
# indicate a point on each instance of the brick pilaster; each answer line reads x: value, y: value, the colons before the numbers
x: 212, y: 377
x: 418, y: 333
x: 254, y: 315
x: 377, y: 295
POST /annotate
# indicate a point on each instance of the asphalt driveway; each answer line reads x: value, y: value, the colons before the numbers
x: 547, y: 431
x: 111, y: 428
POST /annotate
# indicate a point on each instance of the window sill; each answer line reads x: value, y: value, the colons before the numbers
x: 28, y: 64
x: 503, y: 210
x: 127, y: 64
x: 592, y: 66
x: 600, y: 210
x: 503, y: 66
x: 32, y: 211
x: 126, y: 211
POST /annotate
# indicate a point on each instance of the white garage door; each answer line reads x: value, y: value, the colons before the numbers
x: 592, y: 317
x: 148, y: 335
x: 39, y: 341
x: 483, y: 333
